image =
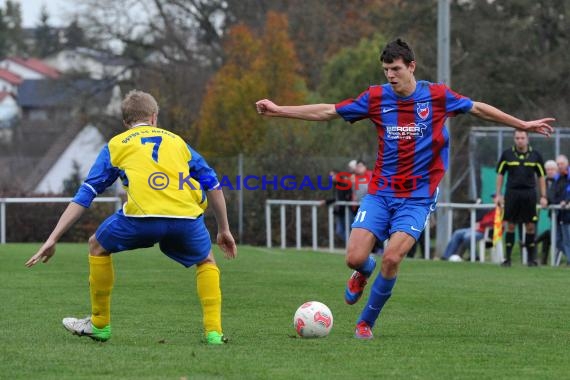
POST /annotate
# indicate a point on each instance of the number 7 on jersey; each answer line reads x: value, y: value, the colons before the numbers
x: 156, y: 140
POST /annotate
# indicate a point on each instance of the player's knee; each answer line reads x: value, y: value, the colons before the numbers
x: 390, y: 262
x: 351, y: 262
x: 354, y: 258
x: 95, y: 249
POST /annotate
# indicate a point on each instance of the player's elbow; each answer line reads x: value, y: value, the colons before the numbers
x: 328, y: 114
x: 476, y: 109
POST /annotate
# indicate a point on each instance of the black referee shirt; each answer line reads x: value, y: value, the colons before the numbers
x: 521, y: 167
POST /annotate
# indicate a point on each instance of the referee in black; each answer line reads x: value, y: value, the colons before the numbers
x: 523, y: 165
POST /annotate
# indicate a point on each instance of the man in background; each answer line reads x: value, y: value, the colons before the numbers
x: 525, y: 168
x: 562, y: 198
x: 551, y: 169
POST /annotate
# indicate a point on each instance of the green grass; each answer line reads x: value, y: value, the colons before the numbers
x: 445, y: 320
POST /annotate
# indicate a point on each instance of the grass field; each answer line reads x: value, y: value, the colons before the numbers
x: 444, y: 321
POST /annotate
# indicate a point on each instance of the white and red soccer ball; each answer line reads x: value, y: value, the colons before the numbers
x: 313, y: 320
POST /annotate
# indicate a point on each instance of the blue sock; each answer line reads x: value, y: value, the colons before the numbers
x: 368, y: 267
x: 379, y: 294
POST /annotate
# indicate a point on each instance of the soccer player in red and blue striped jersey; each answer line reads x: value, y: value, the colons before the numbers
x: 413, y: 148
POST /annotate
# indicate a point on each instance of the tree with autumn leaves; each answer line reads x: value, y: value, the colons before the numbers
x: 255, y: 67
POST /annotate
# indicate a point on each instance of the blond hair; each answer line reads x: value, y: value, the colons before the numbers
x: 138, y: 106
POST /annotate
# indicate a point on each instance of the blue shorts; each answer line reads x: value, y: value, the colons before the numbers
x: 186, y: 241
x: 385, y: 215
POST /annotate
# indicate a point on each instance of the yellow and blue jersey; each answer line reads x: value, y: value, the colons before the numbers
x: 162, y: 175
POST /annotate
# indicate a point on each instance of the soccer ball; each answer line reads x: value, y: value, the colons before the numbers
x: 455, y: 258
x: 313, y: 320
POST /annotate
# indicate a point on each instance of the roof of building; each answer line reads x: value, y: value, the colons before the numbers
x: 40, y: 93
x: 10, y: 77
x: 37, y: 66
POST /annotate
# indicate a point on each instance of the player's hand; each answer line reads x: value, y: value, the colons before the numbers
x: 266, y: 107
x: 46, y: 251
x: 227, y: 243
x: 543, y: 202
x: 541, y: 126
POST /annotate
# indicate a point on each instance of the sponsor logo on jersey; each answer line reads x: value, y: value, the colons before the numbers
x: 405, y: 132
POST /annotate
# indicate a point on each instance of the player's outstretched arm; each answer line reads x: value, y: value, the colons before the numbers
x: 312, y: 112
x: 224, y: 239
x: 488, y: 112
x: 71, y: 214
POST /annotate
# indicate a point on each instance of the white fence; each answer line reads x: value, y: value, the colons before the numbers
x: 282, y: 203
x: 315, y: 205
x: 5, y: 201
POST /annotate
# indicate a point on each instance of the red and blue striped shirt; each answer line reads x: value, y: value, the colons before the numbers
x: 413, y: 142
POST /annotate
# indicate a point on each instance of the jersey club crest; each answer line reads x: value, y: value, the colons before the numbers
x: 423, y: 110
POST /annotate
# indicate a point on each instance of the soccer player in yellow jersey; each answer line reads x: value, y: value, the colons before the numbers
x: 166, y: 183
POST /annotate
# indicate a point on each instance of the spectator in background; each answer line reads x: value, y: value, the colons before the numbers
x: 551, y: 169
x: 362, y: 176
x: 562, y: 197
x: 461, y: 238
x: 352, y: 167
x: 523, y: 165
x: 343, y: 193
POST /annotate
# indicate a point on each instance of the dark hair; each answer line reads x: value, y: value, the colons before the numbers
x: 361, y: 162
x: 520, y: 131
x: 397, y: 49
